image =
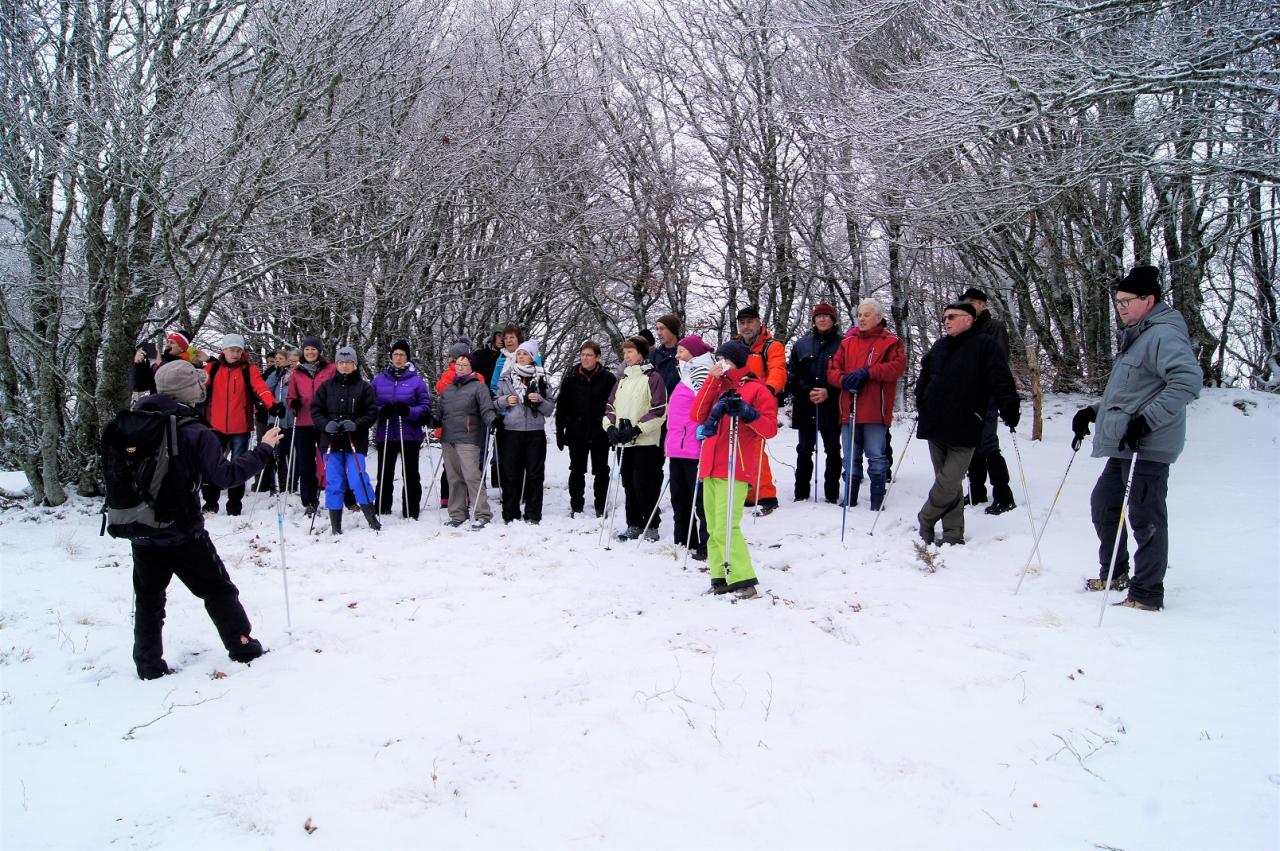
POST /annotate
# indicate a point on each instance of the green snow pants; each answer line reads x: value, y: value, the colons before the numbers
x: 741, y: 573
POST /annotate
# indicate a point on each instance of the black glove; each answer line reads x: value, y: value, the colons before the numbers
x: 1080, y: 426
x: 399, y: 409
x: 854, y: 381
x: 332, y: 427
x: 1013, y: 418
x: 348, y: 425
x: 296, y: 404
x: 276, y: 410
x: 611, y: 435
x: 1137, y: 430
x: 629, y: 433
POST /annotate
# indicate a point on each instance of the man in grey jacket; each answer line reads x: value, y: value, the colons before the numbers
x: 1142, y: 415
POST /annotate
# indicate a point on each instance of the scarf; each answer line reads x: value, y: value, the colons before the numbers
x: 694, y: 372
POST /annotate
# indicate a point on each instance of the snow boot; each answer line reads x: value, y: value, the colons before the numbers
x: 454, y: 524
x: 248, y: 650
x: 371, y: 515
x: 766, y: 506
x: 335, y: 520
x: 1000, y: 506
x: 629, y: 534
x: 977, y: 496
x: 310, y: 509
x: 1118, y: 583
x: 698, y: 553
x: 650, y: 534
x: 746, y: 593
x: 926, y: 533
x: 479, y: 524
x: 877, y: 495
x: 855, y: 488
x: 718, y: 586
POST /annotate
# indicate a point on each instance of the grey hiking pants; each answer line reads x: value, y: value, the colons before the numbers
x: 462, y: 465
x: 946, y: 497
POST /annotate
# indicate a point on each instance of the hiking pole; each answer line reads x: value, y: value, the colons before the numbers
x: 729, y: 500
x: 404, y: 469
x: 817, y: 450
x: 693, y: 508
x: 1026, y: 499
x: 363, y: 473
x: 848, y: 465
x: 896, y: 471
x: 759, y: 472
x: 382, y: 464
x: 615, y: 484
x: 1115, y: 549
x: 284, y: 568
x: 1035, y: 548
x: 666, y: 481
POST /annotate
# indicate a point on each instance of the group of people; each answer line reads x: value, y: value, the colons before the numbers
x: 708, y: 412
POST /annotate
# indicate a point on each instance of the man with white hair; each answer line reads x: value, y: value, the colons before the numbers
x: 229, y: 381
x: 866, y: 368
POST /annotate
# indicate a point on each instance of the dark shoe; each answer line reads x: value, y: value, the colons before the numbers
x: 855, y: 489
x: 210, y: 508
x: 801, y: 496
x: 698, y: 554
x: 1000, y: 507
x: 629, y: 534
x: 248, y: 650
x: 953, y: 542
x: 479, y: 524
x: 766, y: 507
x: 650, y: 534
x: 975, y: 497
x: 310, y: 510
x: 233, y: 510
x: 1140, y: 606
x: 335, y: 520
x: 371, y: 516
x: 746, y: 593
x: 454, y: 523
x: 833, y: 499
x: 1118, y: 583
x: 877, y: 495
x: 719, y: 586
x: 531, y: 521
x: 155, y: 673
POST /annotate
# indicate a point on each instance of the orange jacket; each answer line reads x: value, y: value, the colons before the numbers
x: 768, y: 360
x: 229, y: 405
x: 751, y: 436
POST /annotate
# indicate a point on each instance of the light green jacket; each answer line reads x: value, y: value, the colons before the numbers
x: 641, y: 398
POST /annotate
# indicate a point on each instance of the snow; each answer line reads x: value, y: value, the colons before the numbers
x: 521, y: 687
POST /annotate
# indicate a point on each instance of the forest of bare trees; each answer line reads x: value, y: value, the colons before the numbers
x: 371, y: 169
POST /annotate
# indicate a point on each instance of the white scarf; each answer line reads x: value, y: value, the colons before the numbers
x: 694, y: 372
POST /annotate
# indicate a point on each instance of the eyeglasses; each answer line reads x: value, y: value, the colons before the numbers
x: 951, y: 316
x: 1123, y: 303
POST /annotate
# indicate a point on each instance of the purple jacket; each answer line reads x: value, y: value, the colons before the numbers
x: 407, y: 387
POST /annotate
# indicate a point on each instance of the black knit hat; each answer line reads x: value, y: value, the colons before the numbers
x: 639, y: 343
x: 314, y: 342
x: 647, y: 336
x: 751, y: 311
x: 1141, y: 281
x: 736, y: 351
x: 401, y: 346
x: 974, y: 294
x: 962, y: 305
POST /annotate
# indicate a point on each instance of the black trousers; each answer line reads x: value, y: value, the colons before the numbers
x: 1149, y: 516
x: 388, y: 463
x: 832, y: 472
x: 987, y: 461
x: 686, y: 496
x: 304, y: 464
x: 231, y: 445
x: 523, y: 459
x: 579, y: 455
x: 197, y: 564
x: 642, y: 484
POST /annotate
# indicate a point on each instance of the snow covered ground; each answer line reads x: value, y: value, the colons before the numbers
x: 521, y: 687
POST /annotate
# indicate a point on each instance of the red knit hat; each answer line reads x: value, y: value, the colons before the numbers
x: 824, y: 309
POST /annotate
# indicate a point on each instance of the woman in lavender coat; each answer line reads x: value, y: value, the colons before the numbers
x: 404, y: 406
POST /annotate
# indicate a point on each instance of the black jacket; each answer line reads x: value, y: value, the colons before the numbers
x: 345, y: 397
x: 664, y: 360
x: 484, y: 360
x: 580, y: 406
x: 988, y: 324
x: 200, y: 461
x: 958, y: 377
x: 807, y: 370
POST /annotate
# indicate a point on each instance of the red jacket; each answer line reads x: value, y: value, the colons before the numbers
x: 751, y: 436
x: 302, y: 389
x: 227, y: 388
x: 885, y: 359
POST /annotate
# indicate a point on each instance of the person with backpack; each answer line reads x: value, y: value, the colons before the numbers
x: 767, y: 360
x: 731, y: 390
x: 343, y: 409
x: 525, y: 400
x: 310, y: 374
x: 683, y: 447
x: 467, y: 418
x: 815, y: 411
x: 404, y: 404
x: 633, y: 420
x: 232, y: 384
x: 165, y: 442
x: 584, y: 393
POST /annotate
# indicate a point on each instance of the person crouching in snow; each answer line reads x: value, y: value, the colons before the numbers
x: 524, y: 401
x: 633, y: 419
x: 731, y: 390
x: 343, y: 409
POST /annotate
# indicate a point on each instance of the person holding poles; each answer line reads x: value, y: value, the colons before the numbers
x: 467, y: 420
x: 404, y: 404
x: 343, y: 409
x: 727, y: 469
x: 308, y: 376
x: 1141, y: 430
x: 525, y: 400
x: 233, y: 384
x: 683, y: 447
x: 815, y: 413
x: 768, y: 362
x: 633, y: 419
x: 866, y: 368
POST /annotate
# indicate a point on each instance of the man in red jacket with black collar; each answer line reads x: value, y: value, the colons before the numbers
x: 231, y: 382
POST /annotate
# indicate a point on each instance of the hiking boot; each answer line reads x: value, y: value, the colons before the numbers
x: 629, y: 534
x: 1138, y: 604
x: 766, y: 507
x: 1118, y: 583
x: 479, y: 524
x: 454, y: 524
x: 746, y: 593
x: 233, y: 510
x: 975, y: 497
x: 371, y: 516
x: 854, y: 490
x: 155, y: 673
x: 718, y: 586
x: 650, y: 535
x: 335, y: 520
x: 210, y: 508
x: 248, y: 650
x: 801, y: 496
x: 698, y: 554
x: 1000, y: 507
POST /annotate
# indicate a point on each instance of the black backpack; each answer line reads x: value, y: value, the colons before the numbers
x: 137, y: 453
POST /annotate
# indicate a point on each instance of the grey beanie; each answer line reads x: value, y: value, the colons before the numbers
x: 461, y: 347
x: 232, y: 341
x: 181, y: 381
x: 346, y: 353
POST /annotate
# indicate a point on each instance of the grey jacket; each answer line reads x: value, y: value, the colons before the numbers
x: 523, y: 416
x: 466, y: 410
x: 1155, y: 375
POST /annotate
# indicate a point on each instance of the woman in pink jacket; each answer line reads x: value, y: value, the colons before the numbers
x: 683, y: 447
x: 312, y: 371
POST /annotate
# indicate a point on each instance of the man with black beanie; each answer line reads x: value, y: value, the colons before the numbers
x: 987, y: 460
x: 662, y: 351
